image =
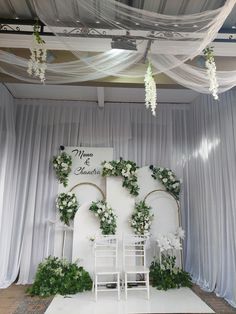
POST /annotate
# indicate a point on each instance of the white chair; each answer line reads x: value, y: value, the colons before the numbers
x: 136, y: 274
x: 106, y: 270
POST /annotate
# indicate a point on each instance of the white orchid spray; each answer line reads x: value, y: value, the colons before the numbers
x: 37, y: 63
x: 211, y: 71
x: 150, y: 90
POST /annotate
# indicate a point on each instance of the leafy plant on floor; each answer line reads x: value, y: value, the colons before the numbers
x: 166, y: 275
x: 59, y: 276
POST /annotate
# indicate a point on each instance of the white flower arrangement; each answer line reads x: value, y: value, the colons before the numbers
x: 141, y: 219
x: 211, y: 71
x: 106, y: 216
x: 168, y: 179
x: 125, y: 168
x: 37, y: 62
x: 67, y: 205
x: 171, y: 241
x: 150, y: 90
x: 62, y: 165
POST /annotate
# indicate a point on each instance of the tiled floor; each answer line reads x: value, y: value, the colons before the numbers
x: 14, y: 300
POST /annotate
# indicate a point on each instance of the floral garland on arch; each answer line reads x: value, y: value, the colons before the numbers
x: 67, y: 205
x: 106, y: 216
x: 124, y: 168
x: 62, y: 165
x: 141, y: 219
x: 211, y: 71
x: 168, y: 179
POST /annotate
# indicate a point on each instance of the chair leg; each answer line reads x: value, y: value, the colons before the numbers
x: 118, y: 286
x: 126, y: 286
x: 147, y: 283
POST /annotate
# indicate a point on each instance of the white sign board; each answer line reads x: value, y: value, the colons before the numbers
x: 86, y: 182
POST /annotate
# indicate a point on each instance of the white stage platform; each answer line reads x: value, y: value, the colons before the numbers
x: 182, y: 300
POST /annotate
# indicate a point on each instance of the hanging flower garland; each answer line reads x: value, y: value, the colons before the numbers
x: 62, y: 165
x: 125, y: 168
x: 37, y: 62
x: 211, y: 71
x: 67, y: 205
x: 150, y: 90
x: 141, y: 219
x: 168, y: 179
x: 106, y: 216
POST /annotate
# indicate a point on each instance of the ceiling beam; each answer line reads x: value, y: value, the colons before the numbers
x: 227, y: 49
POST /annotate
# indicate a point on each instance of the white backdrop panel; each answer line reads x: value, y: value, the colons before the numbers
x: 86, y: 225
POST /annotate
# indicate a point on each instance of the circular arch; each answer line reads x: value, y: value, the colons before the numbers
x: 160, y: 190
x: 91, y: 184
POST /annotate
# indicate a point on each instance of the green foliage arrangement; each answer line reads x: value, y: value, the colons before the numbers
x: 125, y: 168
x: 67, y: 205
x: 62, y: 165
x: 106, y: 216
x: 59, y: 276
x: 141, y: 219
x: 168, y: 179
x: 166, y: 275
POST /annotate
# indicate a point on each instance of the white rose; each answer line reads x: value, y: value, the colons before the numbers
x: 160, y: 176
x: 99, y: 211
x: 164, y: 180
x: 69, y: 210
x: 69, y: 204
x: 69, y: 193
x: 169, y: 173
x: 64, y: 203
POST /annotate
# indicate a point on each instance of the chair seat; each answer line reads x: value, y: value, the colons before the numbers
x: 107, y: 270
x: 136, y: 269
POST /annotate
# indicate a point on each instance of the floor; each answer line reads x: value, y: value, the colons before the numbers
x: 14, y: 300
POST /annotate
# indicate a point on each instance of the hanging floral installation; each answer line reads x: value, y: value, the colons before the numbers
x: 141, y: 219
x: 62, y: 165
x: 67, y: 205
x: 106, y: 216
x: 168, y: 179
x: 211, y: 71
x: 125, y: 168
x: 37, y: 62
x: 150, y: 90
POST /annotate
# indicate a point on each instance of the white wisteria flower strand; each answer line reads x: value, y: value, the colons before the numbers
x: 150, y: 90
x: 37, y: 62
x: 211, y: 72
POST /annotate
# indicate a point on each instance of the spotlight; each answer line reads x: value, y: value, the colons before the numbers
x: 123, y: 43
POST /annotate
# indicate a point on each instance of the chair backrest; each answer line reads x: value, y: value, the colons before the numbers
x: 134, y: 250
x: 105, y: 251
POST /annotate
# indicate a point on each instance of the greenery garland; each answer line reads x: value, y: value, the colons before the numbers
x: 166, y: 275
x: 67, y: 205
x: 141, y: 219
x: 106, y: 216
x: 125, y: 168
x: 62, y: 165
x: 59, y: 276
x: 168, y: 179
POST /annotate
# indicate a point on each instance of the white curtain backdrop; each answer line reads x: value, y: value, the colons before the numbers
x: 197, y: 141
x: 210, y: 198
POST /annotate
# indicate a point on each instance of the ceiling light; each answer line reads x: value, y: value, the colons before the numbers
x: 195, y: 26
x: 123, y: 43
x: 176, y: 25
x: 17, y: 17
x: 97, y: 22
x: 234, y: 27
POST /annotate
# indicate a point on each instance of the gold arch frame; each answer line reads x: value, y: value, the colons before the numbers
x: 178, y: 208
x: 91, y: 184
